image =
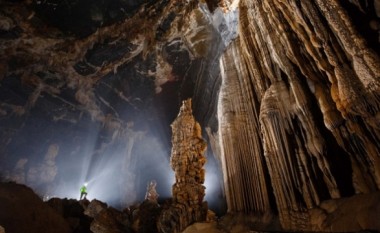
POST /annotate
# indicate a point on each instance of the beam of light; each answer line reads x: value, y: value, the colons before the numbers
x: 104, y: 172
x: 214, y: 186
x: 154, y: 164
x: 111, y: 179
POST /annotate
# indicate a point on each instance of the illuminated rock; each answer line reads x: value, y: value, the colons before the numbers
x: 41, y: 173
x: 44, y: 172
x: 151, y: 193
x: 69, y: 85
x: 18, y: 173
x: 298, y: 111
x: 187, y: 160
x: 94, y: 208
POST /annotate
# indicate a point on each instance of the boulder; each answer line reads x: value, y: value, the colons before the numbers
x: 356, y: 213
x: 110, y: 220
x: 23, y: 211
x: 147, y: 216
x: 94, y: 208
x: 73, y: 212
x: 204, y: 227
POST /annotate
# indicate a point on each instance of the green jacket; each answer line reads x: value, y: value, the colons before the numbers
x: 83, y: 189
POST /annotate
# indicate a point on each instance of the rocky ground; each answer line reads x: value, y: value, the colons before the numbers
x: 23, y: 211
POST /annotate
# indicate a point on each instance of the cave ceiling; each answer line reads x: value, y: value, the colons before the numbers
x: 105, y: 70
x: 74, y: 61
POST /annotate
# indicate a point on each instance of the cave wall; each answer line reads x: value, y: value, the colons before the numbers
x: 103, y: 85
x: 298, y: 109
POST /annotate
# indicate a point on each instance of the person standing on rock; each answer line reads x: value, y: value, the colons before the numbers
x: 83, y: 191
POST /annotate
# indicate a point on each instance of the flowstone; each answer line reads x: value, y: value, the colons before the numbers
x: 187, y: 161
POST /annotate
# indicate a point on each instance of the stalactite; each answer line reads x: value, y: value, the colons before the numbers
x: 297, y: 54
x: 291, y: 167
x: 346, y: 88
x: 245, y: 184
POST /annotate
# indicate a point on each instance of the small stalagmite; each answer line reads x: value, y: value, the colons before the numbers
x: 151, y: 193
x: 187, y: 161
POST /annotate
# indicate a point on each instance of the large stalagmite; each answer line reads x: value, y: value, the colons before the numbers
x: 187, y: 160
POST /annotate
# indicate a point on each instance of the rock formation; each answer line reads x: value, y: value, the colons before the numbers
x: 23, y: 211
x: 97, y: 94
x: 46, y: 171
x: 18, y: 173
x: 151, y: 192
x: 37, y: 175
x: 298, y: 109
x: 187, y: 160
x: 287, y: 90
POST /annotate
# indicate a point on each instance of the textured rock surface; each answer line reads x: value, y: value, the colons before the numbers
x: 94, y: 208
x: 73, y: 212
x: 290, y: 107
x: 23, y: 211
x: 110, y: 220
x: 298, y: 110
x: 99, y: 86
x: 347, y: 214
x: 187, y: 160
x: 38, y: 175
x: 151, y: 192
x: 106, y: 219
x: 202, y: 228
x: 147, y: 217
